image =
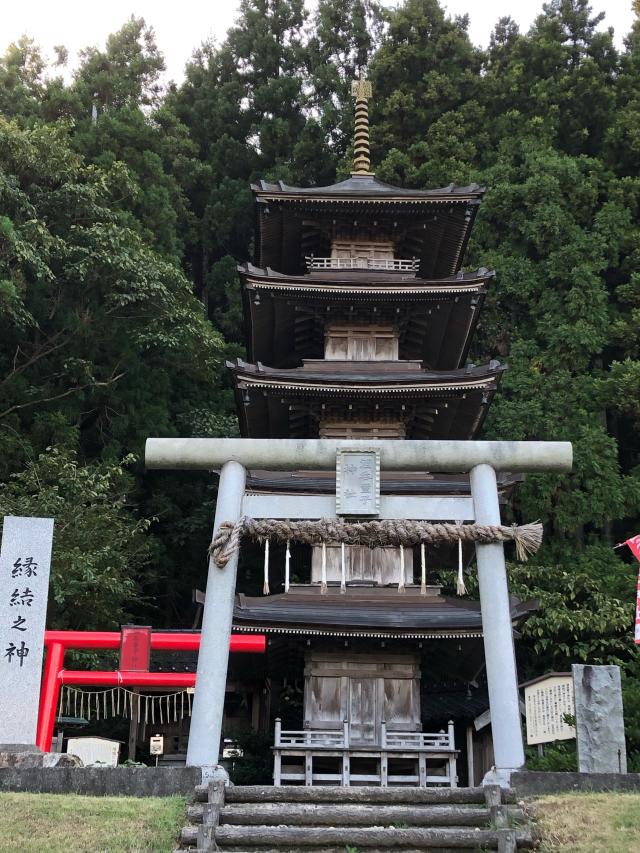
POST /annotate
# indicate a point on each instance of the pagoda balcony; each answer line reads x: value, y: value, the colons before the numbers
x: 387, y: 264
x: 330, y: 756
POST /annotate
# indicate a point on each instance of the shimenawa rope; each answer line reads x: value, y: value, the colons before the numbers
x: 226, y: 540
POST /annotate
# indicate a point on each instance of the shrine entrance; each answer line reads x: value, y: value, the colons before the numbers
x: 372, y: 704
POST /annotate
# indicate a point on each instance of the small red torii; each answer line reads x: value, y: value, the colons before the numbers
x: 57, y: 642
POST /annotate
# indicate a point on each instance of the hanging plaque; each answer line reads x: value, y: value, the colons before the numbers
x: 358, y: 482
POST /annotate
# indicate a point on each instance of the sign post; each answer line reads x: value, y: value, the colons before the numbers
x: 25, y: 561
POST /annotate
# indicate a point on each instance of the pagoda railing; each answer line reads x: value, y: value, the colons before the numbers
x: 394, y: 264
x: 407, y: 758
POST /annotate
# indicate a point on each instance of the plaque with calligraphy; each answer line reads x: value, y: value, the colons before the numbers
x: 358, y: 482
x: 25, y: 560
x: 547, y: 701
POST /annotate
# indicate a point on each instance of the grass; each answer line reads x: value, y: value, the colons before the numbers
x: 589, y: 823
x: 68, y: 823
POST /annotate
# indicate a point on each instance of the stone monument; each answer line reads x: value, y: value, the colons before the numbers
x: 599, y: 719
x: 25, y: 560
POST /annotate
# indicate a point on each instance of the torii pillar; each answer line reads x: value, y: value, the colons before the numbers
x: 481, y: 459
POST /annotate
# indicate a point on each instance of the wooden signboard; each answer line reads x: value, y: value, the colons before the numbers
x: 547, y: 700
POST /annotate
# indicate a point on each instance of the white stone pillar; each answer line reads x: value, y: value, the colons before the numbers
x: 502, y: 677
x: 213, y: 659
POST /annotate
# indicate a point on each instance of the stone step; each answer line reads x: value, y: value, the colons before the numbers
x: 338, y: 794
x: 303, y: 838
x: 330, y: 814
x: 341, y: 849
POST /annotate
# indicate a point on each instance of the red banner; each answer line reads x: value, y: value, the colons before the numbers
x: 637, y: 634
x: 634, y: 545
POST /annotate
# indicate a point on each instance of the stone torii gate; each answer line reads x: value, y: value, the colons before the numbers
x: 481, y: 459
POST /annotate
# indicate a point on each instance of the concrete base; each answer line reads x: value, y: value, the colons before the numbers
x: 215, y: 773
x: 499, y: 776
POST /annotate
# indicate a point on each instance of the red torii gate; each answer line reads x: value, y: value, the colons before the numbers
x: 57, y: 642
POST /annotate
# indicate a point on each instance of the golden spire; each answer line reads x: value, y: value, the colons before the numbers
x: 361, y: 91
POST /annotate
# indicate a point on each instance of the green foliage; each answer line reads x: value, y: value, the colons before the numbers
x: 560, y: 757
x: 101, y: 552
x: 255, y: 767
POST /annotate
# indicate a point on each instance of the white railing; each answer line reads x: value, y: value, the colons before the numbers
x: 340, y: 739
x: 418, y: 741
x: 395, y: 264
x: 323, y: 738
x: 326, y: 757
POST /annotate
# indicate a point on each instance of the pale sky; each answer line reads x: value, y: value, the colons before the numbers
x: 181, y: 26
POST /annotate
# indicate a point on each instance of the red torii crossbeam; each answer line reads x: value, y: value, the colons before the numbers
x: 57, y: 642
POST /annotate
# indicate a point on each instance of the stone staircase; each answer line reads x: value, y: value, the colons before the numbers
x: 294, y: 819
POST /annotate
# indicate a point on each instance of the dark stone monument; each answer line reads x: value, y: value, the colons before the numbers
x: 599, y: 719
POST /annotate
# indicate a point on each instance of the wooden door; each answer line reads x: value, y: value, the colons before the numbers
x: 401, y: 704
x: 364, y: 711
x: 324, y: 703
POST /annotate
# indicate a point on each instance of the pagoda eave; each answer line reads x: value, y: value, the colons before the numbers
x: 294, y: 403
x: 287, y: 317
x: 371, y: 282
x: 431, y: 225
x: 393, y: 483
x: 367, y: 376
x: 366, y: 187
x: 379, y: 612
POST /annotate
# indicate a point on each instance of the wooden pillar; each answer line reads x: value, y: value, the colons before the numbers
x: 470, y: 768
x: 133, y: 724
x: 422, y: 769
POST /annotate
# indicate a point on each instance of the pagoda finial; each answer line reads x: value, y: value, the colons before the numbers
x: 361, y: 91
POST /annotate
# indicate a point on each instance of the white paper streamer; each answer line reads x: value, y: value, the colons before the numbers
x: 401, y: 581
x: 423, y: 569
x: 323, y: 582
x: 287, y: 559
x: 460, y: 587
x: 343, y: 570
x: 265, y: 586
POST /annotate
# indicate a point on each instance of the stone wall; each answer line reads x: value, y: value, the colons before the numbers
x: 532, y: 783
x: 102, y: 781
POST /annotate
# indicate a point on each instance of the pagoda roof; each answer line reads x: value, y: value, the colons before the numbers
x: 430, y: 225
x: 391, y: 482
x: 274, y: 403
x: 385, y: 283
x: 366, y: 187
x: 286, y: 315
x: 375, y: 612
